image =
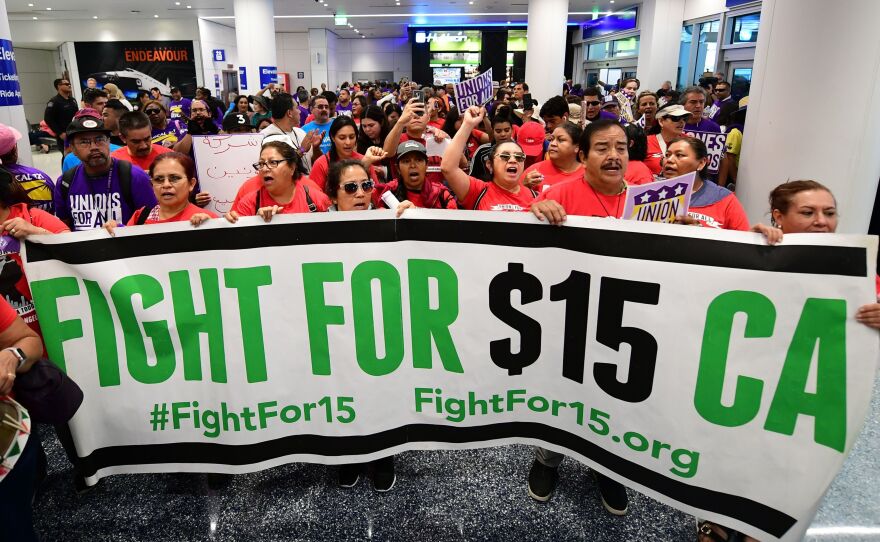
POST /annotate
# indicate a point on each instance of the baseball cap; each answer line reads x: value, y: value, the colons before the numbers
x: 531, y: 138
x: 575, y: 113
x: 283, y: 138
x: 673, y: 111
x: 86, y: 120
x: 610, y: 103
x: 411, y: 146
x: 8, y: 137
x: 233, y: 121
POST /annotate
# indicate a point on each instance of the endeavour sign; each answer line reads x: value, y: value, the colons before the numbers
x: 703, y: 368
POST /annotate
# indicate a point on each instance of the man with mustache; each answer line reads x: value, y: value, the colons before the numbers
x: 101, y: 188
x: 604, y: 151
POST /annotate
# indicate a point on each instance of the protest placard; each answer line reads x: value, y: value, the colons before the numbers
x: 660, y: 201
x: 703, y: 368
x: 476, y: 91
x: 223, y: 163
x: 716, y: 145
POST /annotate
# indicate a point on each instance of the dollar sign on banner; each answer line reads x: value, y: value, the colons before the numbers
x: 500, y: 290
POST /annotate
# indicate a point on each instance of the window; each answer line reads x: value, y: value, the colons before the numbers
x: 684, y: 55
x: 599, y: 51
x: 622, y: 48
x: 744, y: 29
x: 707, y: 49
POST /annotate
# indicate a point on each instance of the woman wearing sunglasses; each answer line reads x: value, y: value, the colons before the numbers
x: 165, y: 132
x: 284, y: 189
x: 343, y: 138
x: 505, y: 191
x: 173, y: 177
x: 350, y: 188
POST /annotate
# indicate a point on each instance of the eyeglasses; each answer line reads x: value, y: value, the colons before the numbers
x: 173, y: 179
x: 152, y: 111
x: 268, y: 164
x: 592, y: 104
x: 352, y: 187
x: 518, y: 156
x: 85, y: 143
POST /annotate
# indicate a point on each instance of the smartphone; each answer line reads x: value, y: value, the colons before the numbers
x: 419, y: 95
x: 527, y: 101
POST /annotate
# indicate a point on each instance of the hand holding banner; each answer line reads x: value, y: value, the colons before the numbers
x: 716, y: 144
x: 223, y: 163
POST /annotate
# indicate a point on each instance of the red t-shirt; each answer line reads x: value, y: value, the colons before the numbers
x: 321, y: 168
x: 473, y: 141
x: 437, y: 124
x: 554, y: 175
x: 655, y: 154
x: 182, y: 216
x: 726, y: 214
x: 144, y: 162
x: 579, y: 198
x: 247, y: 205
x: 637, y: 172
x: 496, y: 198
x: 14, y: 286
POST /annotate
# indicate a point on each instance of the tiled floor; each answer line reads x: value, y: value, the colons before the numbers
x: 461, y: 495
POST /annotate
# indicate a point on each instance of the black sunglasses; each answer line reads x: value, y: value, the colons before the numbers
x: 352, y: 187
x: 592, y: 104
x: 152, y: 111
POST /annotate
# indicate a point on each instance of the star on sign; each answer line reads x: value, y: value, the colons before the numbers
x: 645, y: 197
x: 663, y: 193
x: 678, y: 189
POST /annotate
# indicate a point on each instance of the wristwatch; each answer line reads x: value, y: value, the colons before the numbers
x: 19, y: 354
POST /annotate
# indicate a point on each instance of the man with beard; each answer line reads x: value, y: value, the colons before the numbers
x: 134, y: 127
x: 321, y: 112
x: 101, y: 188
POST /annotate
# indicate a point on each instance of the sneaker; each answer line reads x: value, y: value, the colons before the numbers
x: 349, y: 474
x: 542, y: 481
x: 383, y: 476
x: 613, y: 493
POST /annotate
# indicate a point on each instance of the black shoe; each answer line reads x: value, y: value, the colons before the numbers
x: 349, y: 474
x: 542, y: 481
x: 613, y: 493
x: 384, y: 477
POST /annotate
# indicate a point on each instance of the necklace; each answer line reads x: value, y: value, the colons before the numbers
x: 617, y: 210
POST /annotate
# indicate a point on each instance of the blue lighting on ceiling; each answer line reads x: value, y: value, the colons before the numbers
x: 464, y: 25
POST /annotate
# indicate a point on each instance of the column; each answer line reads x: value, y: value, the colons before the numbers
x: 255, y: 43
x: 796, y: 127
x: 11, y: 108
x: 659, y: 41
x: 318, y: 57
x: 545, y: 57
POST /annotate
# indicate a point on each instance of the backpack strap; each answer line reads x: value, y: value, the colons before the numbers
x: 125, y: 182
x: 480, y: 197
x: 142, y: 217
x: 534, y: 192
x: 66, y: 181
x: 312, y: 207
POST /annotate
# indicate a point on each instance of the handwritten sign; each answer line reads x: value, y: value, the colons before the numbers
x: 716, y: 144
x: 223, y: 163
x: 476, y: 91
x: 661, y: 201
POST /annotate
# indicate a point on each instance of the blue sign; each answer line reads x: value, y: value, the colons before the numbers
x: 734, y: 3
x: 242, y: 77
x: 216, y: 80
x: 10, y: 90
x: 616, y: 22
x: 268, y: 74
x: 219, y: 55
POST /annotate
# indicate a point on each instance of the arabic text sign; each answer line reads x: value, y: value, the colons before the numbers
x: 660, y: 201
x: 688, y: 364
x: 476, y: 91
x: 223, y: 163
x: 716, y: 144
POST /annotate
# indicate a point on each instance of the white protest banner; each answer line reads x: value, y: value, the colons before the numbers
x: 703, y: 368
x: 716, y: 144
x: 223, y: 163
x: 660, y: 201
x: 476, y: 91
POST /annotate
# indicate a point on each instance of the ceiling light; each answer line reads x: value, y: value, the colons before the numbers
x: 189, y: 7
x: 30, y: 5
x: 508, y: 22
x: 48, y: 9
x: 176, y: 3
x: 35, y: 18
x: 155, y: 16
x: 363, y: 36
x: 471, y: 2
x: 94, y: 16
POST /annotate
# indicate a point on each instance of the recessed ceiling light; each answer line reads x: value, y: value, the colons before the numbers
x: 48, y: 9
x: 176, y: 3
x: 471, y: 2
x: 35, y: 18
x: 189, y: 7
x: 363, y: 36
x: 94, y: 16
x: 30, y: 5
x: 155, y: 16
x: 508, y: 22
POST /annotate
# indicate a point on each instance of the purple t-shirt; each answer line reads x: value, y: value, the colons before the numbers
x: 705, y: 125
x: 36, y: 183
x: 303, y: 114
x: 340, y: 108
x: 179, y: 109
x: 92, y: 201
x: 173, y: 132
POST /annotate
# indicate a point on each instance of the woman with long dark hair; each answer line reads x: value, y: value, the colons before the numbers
x: 343, y: 146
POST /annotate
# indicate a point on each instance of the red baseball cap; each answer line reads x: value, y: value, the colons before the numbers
x: 531, y: 138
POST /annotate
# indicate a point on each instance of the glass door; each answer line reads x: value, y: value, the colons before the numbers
x: 740, y: 76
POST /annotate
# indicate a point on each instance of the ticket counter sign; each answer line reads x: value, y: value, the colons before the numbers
x: 10, y: 88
